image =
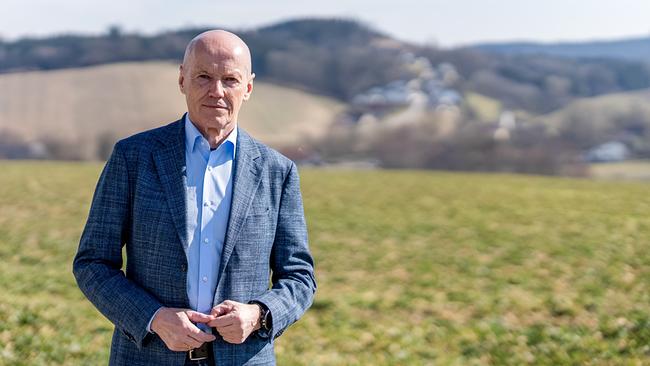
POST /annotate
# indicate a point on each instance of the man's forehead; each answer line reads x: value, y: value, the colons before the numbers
x: 216, y: 55
x: 221, y: 62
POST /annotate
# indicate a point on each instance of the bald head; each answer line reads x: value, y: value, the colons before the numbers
x: 222, y: 44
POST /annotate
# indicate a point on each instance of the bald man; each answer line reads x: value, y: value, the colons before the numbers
x: 206, y: 214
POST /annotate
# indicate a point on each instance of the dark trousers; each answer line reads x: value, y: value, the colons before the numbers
x: 206, y: 348
x: 208, y: 362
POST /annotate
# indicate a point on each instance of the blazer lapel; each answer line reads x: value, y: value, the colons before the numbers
x: 170, y: 162
x: 246, y: 179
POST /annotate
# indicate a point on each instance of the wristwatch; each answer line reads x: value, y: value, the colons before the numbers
x: 265, y: 316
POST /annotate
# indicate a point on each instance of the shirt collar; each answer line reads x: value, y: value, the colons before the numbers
x: 193, y: 138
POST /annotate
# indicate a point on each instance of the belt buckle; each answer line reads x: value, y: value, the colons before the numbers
x: 198, y: 354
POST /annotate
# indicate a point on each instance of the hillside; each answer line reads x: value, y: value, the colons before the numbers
x: 81, y: 105
x: 462, y: 269
x: 588, y: 122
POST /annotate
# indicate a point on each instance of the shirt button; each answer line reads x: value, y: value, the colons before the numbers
x: 209, y: 168
x: 205, y: 240
x: 206, y: 203
x: 205, y: 279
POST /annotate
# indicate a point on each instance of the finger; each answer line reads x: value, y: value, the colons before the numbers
x: 231, y: 336
x: 227, y: 329
x: 197, y: 341
x: 221, y: 309
x: 180, y: 347
x: 221, y: 322
x: 203, y: 337
x: 200, y: 335
x: 192, y: 342
x: 224, y: 320
x: 197, y: 317
x: 225, y: 333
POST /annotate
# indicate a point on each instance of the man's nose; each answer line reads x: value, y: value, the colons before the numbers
x: 216, y: 89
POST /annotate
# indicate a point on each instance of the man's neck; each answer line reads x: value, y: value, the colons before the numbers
x: 215, y: 137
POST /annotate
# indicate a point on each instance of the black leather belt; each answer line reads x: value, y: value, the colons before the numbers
x: 202, y: 353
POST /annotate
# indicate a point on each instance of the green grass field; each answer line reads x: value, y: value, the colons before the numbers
x: 414, y: 268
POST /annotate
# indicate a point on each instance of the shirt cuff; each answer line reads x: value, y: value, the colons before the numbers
x: 151, y: 320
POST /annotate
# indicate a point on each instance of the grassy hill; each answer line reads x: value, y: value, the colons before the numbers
x: 413, y: 268
x: 78, y: 105
x: 602, y: 111
x: 588, y: 122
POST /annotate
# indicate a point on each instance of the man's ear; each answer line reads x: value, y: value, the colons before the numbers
x: 249, y: 87
x: 181, y: 78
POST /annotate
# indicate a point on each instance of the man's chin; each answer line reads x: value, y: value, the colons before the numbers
x: 219, y: 123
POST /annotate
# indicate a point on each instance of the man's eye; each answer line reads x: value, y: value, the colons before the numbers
x: 232, y: 80
x: 204, y: 76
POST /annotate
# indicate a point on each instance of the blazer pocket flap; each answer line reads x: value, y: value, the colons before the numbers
x: 259, y: 210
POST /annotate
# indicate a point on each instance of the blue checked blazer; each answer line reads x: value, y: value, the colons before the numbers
x: 139, y: 203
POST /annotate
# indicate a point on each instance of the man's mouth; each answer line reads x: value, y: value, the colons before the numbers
x: 217, y: 106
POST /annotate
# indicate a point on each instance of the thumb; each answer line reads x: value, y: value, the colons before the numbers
x: 197, y: 317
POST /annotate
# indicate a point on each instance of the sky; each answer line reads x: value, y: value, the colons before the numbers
x: 444, y: 23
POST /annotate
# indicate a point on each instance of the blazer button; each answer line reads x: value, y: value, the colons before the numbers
x: 183, y: 267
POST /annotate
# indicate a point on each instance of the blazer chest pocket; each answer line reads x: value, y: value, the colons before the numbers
x: 259, y: 209
x: 149, y: 193
x: 259, y: 226
x: 155, y: 201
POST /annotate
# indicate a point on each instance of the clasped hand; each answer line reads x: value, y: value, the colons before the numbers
x: 233, y: 320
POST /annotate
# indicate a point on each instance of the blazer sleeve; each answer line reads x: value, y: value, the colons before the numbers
x: 97, y: 266
x: 293, y: 281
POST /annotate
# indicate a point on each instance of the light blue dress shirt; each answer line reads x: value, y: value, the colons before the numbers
x: 208, y: 193
x: 208, y: 198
